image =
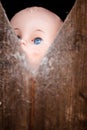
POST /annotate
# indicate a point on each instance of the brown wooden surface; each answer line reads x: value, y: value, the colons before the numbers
x: 54, y: 98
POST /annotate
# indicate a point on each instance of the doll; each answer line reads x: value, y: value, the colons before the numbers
x: 36, y: 28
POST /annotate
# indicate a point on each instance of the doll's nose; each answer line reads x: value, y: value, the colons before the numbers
x: 24, y: 42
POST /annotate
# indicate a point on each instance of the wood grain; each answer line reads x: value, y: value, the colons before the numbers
x: 54, y: 97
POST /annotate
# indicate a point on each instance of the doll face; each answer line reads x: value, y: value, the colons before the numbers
x: 36, y: 29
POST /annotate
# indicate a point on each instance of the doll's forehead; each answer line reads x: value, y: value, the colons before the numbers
x: 37, y: 16
x: 36, y: 11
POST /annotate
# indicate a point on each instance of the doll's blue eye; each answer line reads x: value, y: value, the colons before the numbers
x: 37, y: 40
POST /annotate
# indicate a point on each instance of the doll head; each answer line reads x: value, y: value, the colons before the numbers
x: 36, y: 28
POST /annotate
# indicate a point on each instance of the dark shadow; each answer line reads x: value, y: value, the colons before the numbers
x: 60, y: 7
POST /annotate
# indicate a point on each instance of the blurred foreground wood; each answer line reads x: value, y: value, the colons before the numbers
x: 55, y: 97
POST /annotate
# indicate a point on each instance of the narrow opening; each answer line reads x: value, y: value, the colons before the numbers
x: 36, y: 42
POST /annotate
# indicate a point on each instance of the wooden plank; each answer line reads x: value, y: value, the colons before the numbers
x: 54, y: 98
x: 14, y: 90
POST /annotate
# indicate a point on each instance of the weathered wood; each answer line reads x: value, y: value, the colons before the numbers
x: 55, y: 97
x: 14, y: 90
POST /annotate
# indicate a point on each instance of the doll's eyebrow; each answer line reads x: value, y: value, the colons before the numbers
x: 39, y: 30
x: 16, y: 29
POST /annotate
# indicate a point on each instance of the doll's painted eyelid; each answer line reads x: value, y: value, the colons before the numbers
x: 37, y: 40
